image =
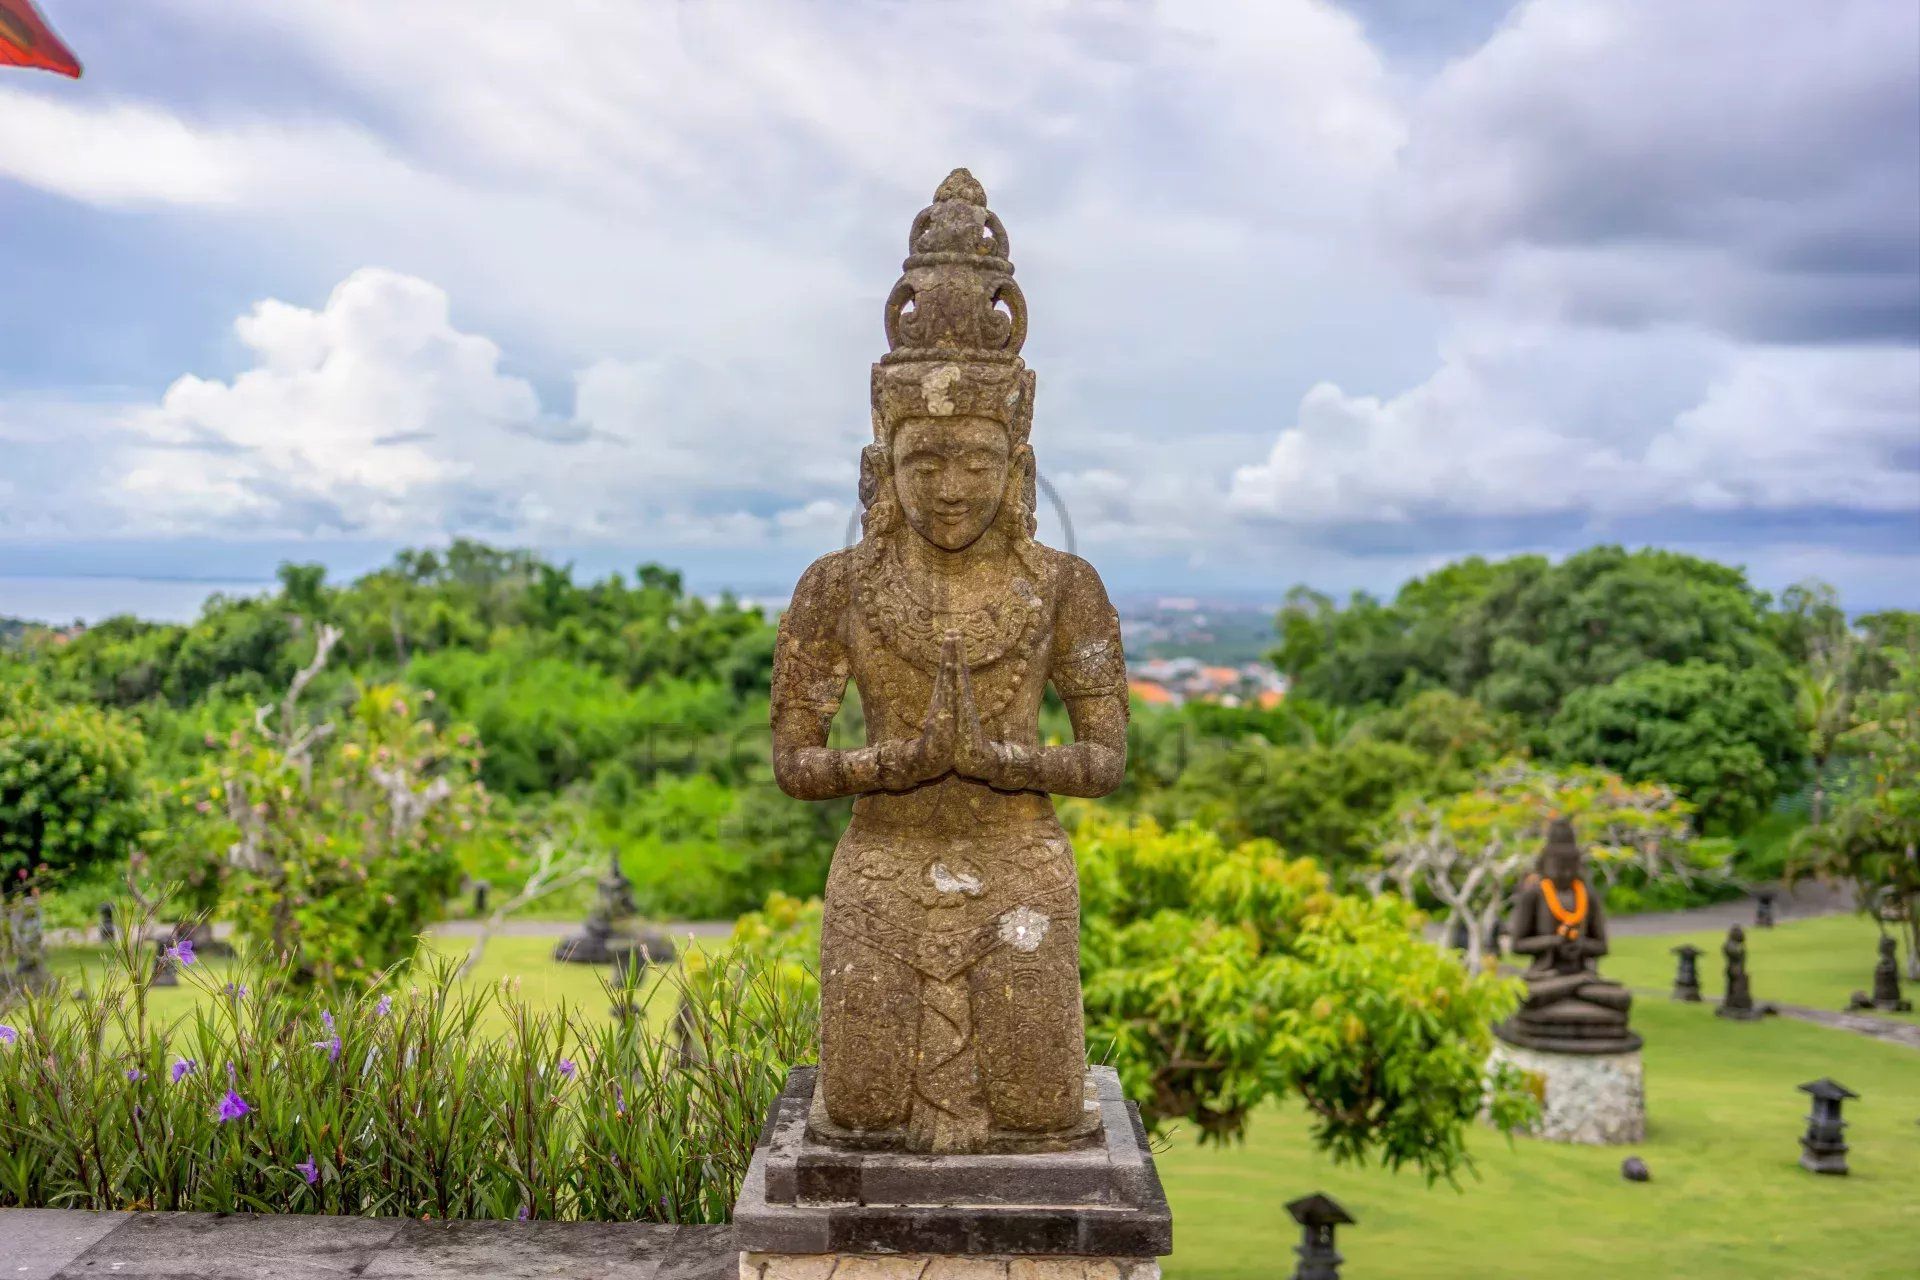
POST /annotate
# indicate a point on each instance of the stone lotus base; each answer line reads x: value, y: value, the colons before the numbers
x: 920, y: 1266
x: 1593, y: 1099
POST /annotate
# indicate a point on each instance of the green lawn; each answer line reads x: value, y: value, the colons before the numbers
x: 528, y: 960
x: 1817, y: 963
x: 1727, y: 1198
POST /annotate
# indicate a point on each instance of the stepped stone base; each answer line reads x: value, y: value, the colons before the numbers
x: 1592, y: 1099
x: 811, y: 1209
x: 920, y: 1266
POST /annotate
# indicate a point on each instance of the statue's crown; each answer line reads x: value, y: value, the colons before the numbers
x: 955, y: 320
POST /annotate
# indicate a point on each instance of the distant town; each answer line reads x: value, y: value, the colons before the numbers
x: 1182, y: 649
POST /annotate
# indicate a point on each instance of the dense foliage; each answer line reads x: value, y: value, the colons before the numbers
x: 1661, y: 666
x: 1872, y: 836
x: 70, y: 791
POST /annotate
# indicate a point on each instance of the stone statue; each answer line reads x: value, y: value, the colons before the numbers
x: 1739, y: 999
x: 949, y: 966
x: 1886, y: 983
x: 1558, y: 920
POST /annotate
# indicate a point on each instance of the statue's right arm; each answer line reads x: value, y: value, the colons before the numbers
x: 810, y: 672
x: 1522, y: 940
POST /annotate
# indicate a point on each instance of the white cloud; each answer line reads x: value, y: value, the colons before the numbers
x: 1614, y: 220
x: 1517, y: 425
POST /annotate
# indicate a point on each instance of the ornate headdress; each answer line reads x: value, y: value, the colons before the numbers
x: 952, y: 348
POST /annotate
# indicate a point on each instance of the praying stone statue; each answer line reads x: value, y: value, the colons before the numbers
x: 1886, y: 983
x: 950, y: 959
x: 1739, y: 999
x: 1558, y: 920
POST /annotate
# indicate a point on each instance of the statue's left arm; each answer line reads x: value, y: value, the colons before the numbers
x: 1088, y: 669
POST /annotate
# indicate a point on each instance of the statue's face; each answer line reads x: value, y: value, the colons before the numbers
x: 950, y: 474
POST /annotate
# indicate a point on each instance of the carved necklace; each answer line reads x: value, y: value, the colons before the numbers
x: 914, y: 629
x: 1569, y: 920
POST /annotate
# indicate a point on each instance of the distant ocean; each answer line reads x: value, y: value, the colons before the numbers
x: 89, y: 599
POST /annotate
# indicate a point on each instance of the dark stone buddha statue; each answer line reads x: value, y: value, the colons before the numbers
x: 1558, y: 920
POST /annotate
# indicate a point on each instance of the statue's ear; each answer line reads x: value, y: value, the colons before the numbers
x: 873, y: 472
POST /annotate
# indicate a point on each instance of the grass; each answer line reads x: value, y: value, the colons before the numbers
x: 1817, y: 963
x: 544, y: 983
x: 1728, y: 1200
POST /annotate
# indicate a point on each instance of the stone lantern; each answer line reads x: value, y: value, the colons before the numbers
x: 1823, y: 1149
x: 1763, y: 908
x: 1686, y: 979
x: 1318, y: 1215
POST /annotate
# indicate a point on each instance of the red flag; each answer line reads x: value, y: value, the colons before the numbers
x: 27, y: 41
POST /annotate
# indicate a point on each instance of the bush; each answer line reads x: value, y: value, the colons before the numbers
x: 70, y: 791
x: 1218, y: 977
x: 274, y: 1098
x: 345, y: 838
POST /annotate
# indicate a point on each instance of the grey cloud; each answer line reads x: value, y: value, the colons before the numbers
x: 1768, y: 151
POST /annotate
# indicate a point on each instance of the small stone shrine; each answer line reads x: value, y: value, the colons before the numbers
x: 1738, y: 1003
x: 952, y: 1127
x: 1571, y: 1030
x: 1823, y: 1148
x: 1686, y: 977
x: 1886, y: 995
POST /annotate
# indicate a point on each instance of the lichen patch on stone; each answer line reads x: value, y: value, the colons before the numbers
x: 954, y: 881
x: 1024, y: 929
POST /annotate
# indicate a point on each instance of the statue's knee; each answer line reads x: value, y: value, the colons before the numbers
x: 867, y: 1007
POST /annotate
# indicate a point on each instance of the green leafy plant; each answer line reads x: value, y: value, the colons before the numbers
x: 1220, y: 977
x: 70, y: 788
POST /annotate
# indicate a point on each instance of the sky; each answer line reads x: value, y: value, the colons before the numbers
x: 1324, y: 293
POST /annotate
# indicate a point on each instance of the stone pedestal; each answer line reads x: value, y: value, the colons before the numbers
x: 809, y: 1210
x: 1595, y: 1099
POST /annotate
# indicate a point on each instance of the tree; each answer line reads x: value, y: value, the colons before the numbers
x: 70, y: 787
x: 342, y: 833
x: 1468, y: 851
x: 1872, y: 836
x: 1520, y: 635
x: 1319, y: 802
x: 1726, y: 738
x: 1455, y: 732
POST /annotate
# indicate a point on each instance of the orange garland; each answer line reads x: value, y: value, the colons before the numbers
x: 1569, y: 920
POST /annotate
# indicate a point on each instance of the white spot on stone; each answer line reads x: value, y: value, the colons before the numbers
x: 937, y: 386
x: 949, y: 882
x: 1023, y: 929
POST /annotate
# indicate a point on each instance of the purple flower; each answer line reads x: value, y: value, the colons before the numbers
x: 181, y: 953
x: 236, y: 993
x: 136, y: 1075
x: 332, y: 1043
x: 524, y: 1213
x: 232, y: 1107
x: 384, y: 1008
x: 7, y: 1034
x: 567, y: 1067
x: 619, y: 1101
x: 184, y: 1067
x: 309, y: 1170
